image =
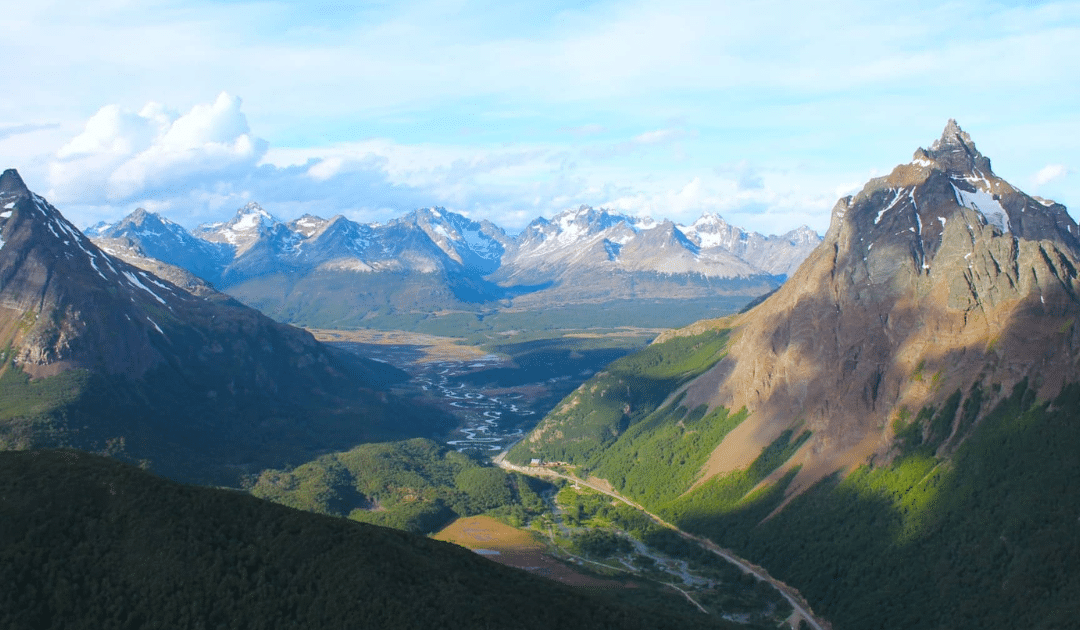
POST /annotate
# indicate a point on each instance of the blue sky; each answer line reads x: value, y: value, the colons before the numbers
x: 763, y: 112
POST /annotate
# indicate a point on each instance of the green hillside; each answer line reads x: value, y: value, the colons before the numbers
x: 415, y: 485
x: 87, y: 542
x: 629, y: 391
x: 984, y: 538
x: 987, y: 538
x: 168, y: 422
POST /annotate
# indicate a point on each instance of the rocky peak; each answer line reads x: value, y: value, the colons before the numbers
x: 140, y: 218
x: 252, y: 215
x: 309, y: 224
x: 956, y: 152
x: 803, y: 235
x: 11, y: 184
x: 949, y: 184
x: 940, y: 268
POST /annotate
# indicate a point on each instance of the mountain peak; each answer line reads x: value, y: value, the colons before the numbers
x: 11, y: 183
x: 251, y: 216
x: 253, y: 208
x: 955, y: 151
x: 139, y: 216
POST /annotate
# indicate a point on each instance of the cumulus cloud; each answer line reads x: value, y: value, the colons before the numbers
x: 1049, y: 173
x: 763, y: 209
x: 746, y: 176
x: 123, y: 155
x: 200, y: 164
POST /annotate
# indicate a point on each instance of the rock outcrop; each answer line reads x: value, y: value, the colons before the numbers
x: 937, y: 278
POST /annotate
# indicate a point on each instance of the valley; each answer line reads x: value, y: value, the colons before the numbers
x: 801, y: 609
x: 497, y: 390
x: 892, y: 431
x: 497, y: 398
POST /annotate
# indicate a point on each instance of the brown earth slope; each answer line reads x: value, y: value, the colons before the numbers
x: 933, y: 279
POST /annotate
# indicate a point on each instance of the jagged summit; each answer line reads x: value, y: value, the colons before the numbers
x: 955, y: 152
x: 944, y: 194
x: 940, y: 268
x: 11, y: 183
x: 250, y: 216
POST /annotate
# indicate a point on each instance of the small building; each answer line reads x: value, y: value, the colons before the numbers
x: 534, y: 461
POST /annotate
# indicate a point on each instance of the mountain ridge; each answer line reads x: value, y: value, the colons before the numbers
x: 937, y: 278
x: 451, y: 262
x: 106, y: 356
x: 892, y: 431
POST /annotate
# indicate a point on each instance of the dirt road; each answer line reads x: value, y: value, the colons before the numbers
x: 802, y: 608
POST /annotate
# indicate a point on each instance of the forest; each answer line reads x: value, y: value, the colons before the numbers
x: 88, y: 542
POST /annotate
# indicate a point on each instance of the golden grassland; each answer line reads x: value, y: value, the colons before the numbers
x: 516, y: 548
x: 433, y: 348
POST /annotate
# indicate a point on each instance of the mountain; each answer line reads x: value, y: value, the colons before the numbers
x: 895, y: 419
x: 591, y: 255
x: 339, y: 273
x: 87, y: 542
x: 778, y: 255
x: 259, y: 244
x: 148, y: 235
x: 104, y: 356
x: 249, y: 226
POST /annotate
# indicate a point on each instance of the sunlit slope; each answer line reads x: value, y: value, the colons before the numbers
x: 891, y: 418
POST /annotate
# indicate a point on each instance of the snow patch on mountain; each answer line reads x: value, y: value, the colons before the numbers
x: 985, y: 203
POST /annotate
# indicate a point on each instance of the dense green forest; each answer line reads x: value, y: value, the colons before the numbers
x: 88, y: 542
x: 415, y: 485
x: 986, y: 537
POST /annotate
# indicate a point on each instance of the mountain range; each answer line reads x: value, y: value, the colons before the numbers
x: 338, y: 273
x: 893, y: 431
x: 105, y: 356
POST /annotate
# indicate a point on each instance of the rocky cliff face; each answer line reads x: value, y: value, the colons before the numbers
x: 934, y: 279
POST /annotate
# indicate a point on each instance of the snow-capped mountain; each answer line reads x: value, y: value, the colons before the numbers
x: 478, y: 246
x: 148, y: 370
x: 778, y: 255
x: 588, y: 253
x: 148, y: 235
x: 432, y: 259
x: 250, y: 224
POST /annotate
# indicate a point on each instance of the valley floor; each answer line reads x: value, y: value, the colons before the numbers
x: 497, y: 390
x: 801, y: 608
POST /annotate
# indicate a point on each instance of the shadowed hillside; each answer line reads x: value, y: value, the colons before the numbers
x: 87, y: 542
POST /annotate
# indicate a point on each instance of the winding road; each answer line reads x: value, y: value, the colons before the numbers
x: 802, y: 608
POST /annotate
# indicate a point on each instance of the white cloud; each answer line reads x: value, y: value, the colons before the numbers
x: 123, y: 155
x: 769, y: 209
x: 1049, y: 173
